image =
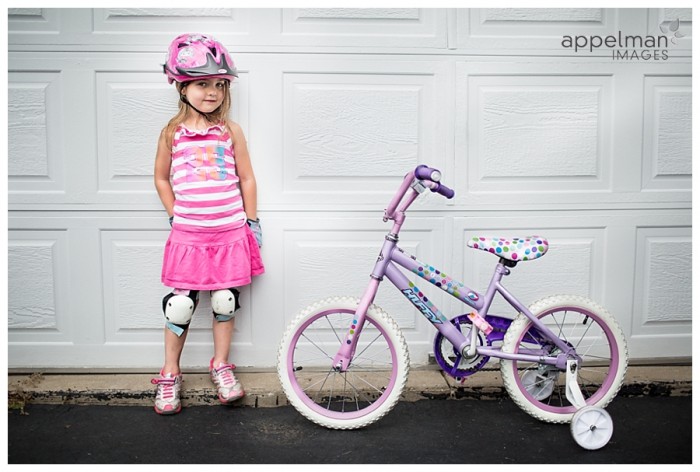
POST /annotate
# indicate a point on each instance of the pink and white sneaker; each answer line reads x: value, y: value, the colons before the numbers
x: 167, y: 394
x: 230, y: 389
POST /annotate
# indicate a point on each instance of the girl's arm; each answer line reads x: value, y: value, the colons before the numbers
x: 244, y: 169
x: 161, y: 175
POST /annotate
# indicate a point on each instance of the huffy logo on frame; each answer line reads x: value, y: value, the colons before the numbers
x: 624, y: 47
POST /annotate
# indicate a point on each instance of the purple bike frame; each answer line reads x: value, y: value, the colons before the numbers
x: 391, y: 255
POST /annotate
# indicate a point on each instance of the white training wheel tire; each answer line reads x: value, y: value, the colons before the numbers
x: 540, y: 386
x: 591, y: 427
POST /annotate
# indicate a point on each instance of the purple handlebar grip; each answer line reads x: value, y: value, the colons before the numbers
x: 446, y: 192
x: 424, y: 172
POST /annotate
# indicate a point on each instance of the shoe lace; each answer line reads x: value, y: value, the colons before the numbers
x: 165, y: 387
x: 225, y: 374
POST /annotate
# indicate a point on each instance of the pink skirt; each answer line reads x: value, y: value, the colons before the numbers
x: 211, y: 260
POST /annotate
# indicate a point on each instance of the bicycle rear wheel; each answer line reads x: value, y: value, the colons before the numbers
x: 371, y: 385
x: 540, y: 389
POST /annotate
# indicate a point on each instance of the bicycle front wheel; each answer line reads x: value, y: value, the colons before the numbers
x: 371, y: 385
x: 540, y: 389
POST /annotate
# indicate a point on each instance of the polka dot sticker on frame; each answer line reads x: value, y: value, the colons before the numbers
x: 514, y: 249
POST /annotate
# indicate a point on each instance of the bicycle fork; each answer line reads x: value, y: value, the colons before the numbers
x: 341, y: 361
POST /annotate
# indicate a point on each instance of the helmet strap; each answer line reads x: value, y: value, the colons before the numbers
x: 206, y: 116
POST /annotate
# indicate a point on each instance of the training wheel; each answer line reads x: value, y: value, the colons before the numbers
x: 539, y: 385
x: 591, y: 427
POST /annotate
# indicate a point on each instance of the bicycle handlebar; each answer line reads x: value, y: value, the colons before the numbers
x: 433, y: 176
x: 429, y: 177
x: 443, y: 190
x: 424, y: 172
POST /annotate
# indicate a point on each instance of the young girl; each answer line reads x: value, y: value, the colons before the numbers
x: 205, y: 180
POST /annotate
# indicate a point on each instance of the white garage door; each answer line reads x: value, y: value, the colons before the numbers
x: 571, y: 123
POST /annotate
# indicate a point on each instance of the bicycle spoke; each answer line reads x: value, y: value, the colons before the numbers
x: 370, y: 344
x: 374, y: 387
x: 317, y: 347
x: 333, y: 328
x: 321, y: 381
x: 372, y: 360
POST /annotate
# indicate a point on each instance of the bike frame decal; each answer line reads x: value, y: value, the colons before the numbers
x: 443, y: 281
x: 438, y: 278
x: 424, y: 305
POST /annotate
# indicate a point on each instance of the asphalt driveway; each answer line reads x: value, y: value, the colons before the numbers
x: 647, y: 430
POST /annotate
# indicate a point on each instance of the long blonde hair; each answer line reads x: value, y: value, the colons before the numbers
x: 218, y: 116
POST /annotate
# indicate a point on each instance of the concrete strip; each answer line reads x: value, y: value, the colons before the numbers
x: 422, y: 384
x: 264, y: 390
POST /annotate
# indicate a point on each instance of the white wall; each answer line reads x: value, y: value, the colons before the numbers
x: 337, y: 105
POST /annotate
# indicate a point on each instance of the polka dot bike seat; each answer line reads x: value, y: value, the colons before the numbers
x: 512, y: 249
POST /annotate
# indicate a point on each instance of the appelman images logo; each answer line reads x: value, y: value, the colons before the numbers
x: 671, y: 28
x: 629, y: 47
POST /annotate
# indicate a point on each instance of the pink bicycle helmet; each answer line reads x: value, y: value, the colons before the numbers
x: 194, y: 56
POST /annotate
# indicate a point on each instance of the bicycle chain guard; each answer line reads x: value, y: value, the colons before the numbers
x: 451, y: 361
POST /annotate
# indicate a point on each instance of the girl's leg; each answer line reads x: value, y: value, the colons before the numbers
x: 169, y: 382
x: 223, y: 333
x: 221, y: 372
x: 173, y: 350
x: 178, y: 307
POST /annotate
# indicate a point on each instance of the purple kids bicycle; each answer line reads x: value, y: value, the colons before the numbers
x: 343, y: 362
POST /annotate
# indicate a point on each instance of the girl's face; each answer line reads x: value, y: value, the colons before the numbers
x: 206, y: 95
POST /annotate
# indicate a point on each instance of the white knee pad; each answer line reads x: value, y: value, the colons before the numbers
x: 223, y: 302
x: 179, y: 308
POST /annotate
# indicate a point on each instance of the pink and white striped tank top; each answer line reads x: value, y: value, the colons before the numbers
x: 204, y: 180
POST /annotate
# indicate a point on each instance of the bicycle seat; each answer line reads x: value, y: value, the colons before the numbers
x: 512, y: 249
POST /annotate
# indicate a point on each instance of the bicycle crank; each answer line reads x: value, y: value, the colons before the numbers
x: 450, y: 359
